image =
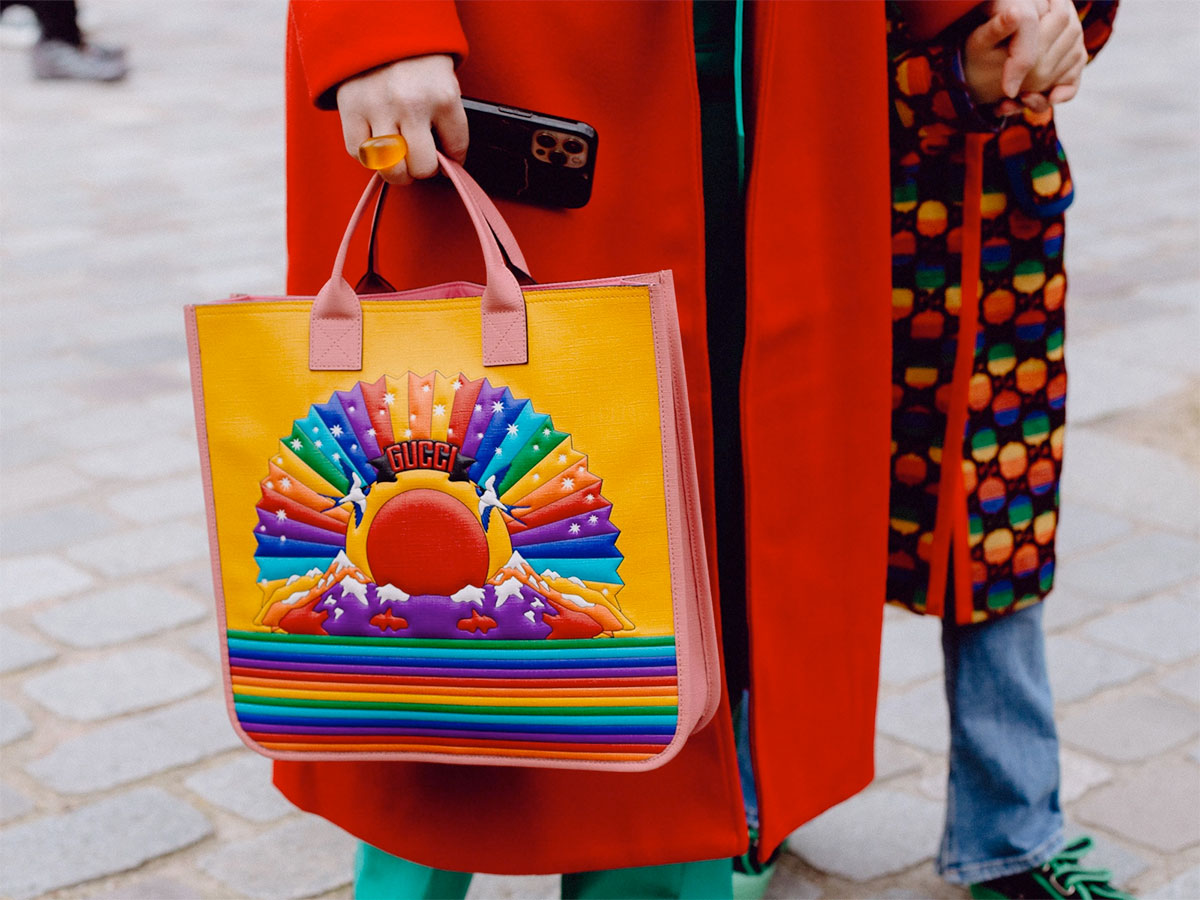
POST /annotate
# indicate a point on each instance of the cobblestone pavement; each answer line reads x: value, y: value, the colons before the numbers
x: 120, y: 775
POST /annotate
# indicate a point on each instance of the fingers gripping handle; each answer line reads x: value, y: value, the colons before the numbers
x: 335, y: 323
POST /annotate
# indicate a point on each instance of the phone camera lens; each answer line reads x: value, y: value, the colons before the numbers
x: 558, y: 158
x: 573, y: 146
x: 546, y: 140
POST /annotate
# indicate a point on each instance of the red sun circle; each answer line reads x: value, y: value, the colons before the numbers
x: 426, y: 542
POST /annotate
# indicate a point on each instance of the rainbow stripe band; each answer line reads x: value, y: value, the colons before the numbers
x: 573, y: 699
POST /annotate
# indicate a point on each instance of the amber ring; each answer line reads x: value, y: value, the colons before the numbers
x: 382, y: 152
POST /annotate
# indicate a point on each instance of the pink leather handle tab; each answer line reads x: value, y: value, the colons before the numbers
x: 335, y: 324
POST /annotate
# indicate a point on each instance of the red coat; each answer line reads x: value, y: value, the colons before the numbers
x: 815, y: 386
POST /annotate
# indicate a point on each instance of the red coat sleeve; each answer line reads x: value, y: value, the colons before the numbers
x: 338, y: 39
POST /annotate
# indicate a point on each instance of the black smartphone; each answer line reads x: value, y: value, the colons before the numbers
x: 530, y: 156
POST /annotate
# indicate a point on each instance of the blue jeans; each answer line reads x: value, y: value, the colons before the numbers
x: 1002, y: 809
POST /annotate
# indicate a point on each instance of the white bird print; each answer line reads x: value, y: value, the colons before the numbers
x: 355, y: 495
x: 489, y: 500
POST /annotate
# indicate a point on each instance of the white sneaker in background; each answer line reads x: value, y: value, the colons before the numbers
x: 88, y: 62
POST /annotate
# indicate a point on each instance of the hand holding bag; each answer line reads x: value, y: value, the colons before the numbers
x: 456, y: 524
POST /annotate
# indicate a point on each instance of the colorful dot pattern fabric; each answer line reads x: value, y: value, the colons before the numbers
x: 1012, y: 445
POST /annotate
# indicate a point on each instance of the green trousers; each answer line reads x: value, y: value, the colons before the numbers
x: 381, y: 876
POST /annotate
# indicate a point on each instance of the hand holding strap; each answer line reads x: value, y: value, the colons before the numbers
x: 335, y: 323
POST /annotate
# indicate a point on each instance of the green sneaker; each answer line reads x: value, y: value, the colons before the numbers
x: 1060, y: 877
x: 751, y: 876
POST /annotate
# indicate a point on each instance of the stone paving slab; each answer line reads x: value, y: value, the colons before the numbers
x: 19, y: 651
x: 152, y: 888
x: 14, y: 724
x: 1139, y: 810
x: 1082, y: 527
x: 123, y: 681
x: 243, y: 786
x: 62, y: 850
x: 912, y: 649
x: 1066, y: 607
x: 27, y: 579
x: 1144, y: 484
x: 1134, y: 567
x: 1080, y: 668
x: 1184, y: 683
x: 1130, y: 728
x: 876, y: 833
x: 141, y: 551
x: 1164, y: 629
x: 299, y: 858
x: 917, y: 717
x: 136, y: 747
x: 1124, y: 864
x: 893, y: 758
x: 1102, y: 385
x: 133, y: 610
x: 50, y: 527
x: 528, y: 887
x: 1080, y: 774
x: 13, y: 804
x: 1185, y: 887
x: 160, y: 501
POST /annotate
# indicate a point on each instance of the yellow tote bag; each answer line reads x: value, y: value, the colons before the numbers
x: 440, y: 533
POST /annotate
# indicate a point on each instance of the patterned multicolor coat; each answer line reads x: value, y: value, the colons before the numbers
x: 977, y: 251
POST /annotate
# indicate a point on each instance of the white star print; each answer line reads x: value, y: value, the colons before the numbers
x: 562, y: 458
x: 383, y: 413
x: 297, y: 443
x: 425, y: 388
x: 336, y: 430
x: 449, y: 431
x: 499, y: 451
x: 478, y: 408
x: 286, y: 484
x: 283, y: 539
x: 589, y: 498
x: 280, y: 515
x: 336, y: 457
x: 389, y: 398
x: 537, y: 477
x: 456, y: 384
x: 592, y: 520
x: 350, y: 409
x: 439, y: 410
x: 574, y: 529
x: 408, y: 432
x: 317, y: 444
x: 270, y: 485
x: 479, y: 435
x: 354, y: 446
x: 568, y: 483
x: 370, y: 432
x: 412, y: 417
x: 546, y: 432
x: 497, y: 406
x: 512, y: 430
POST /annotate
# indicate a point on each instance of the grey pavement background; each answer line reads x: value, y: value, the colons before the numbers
x: 118, y: 204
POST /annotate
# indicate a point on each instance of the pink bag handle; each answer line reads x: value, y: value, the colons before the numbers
x: 335, y: 323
